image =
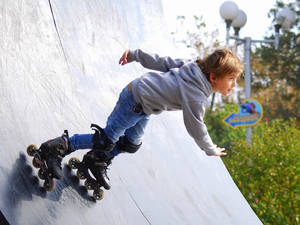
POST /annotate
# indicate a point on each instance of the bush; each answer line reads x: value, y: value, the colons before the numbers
x: 221, y: 134
x: 267, y: 171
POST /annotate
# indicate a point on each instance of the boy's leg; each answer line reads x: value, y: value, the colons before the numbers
x: 127, y: 118
x: 132, y: 140
x: 126, y: 114
x: 136, y: 133
x: 133, y: 136
x: 81, y: 141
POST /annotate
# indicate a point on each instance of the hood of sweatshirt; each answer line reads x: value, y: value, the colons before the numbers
x: 193, y: 76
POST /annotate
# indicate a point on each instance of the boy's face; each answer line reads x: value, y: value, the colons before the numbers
x: 225, y: 84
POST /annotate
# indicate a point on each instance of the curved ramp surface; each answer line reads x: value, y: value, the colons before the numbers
x: 59, y: 70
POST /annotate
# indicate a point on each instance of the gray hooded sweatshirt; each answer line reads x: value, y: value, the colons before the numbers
x: 180, y: 85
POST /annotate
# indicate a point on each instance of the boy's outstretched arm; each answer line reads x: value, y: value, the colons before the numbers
x: 193, y: 114
x: 151, y: 61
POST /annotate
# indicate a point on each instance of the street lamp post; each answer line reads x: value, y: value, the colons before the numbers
x: 237, y: 18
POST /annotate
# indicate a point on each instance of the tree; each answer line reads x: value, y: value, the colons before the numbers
x: 194, y: 35
x: 276, y: 73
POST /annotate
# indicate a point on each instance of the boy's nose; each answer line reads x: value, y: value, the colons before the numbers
x: 234, y: 84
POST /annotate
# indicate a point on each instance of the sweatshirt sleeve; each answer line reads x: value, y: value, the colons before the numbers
x: 193, y: 113
x: 154, y: 62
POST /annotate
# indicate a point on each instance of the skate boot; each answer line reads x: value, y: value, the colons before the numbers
x: 91, y: 164
x: 98, y: 166
x: 53, y: 152
x: 98, y: 160
x: 104, y: 150
x: 48, y: 159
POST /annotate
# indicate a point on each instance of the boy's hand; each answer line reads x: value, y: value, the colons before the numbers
x: 124, y: 59
x: 220, y: 151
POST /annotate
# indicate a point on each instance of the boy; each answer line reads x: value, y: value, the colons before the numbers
x: 179, y: 85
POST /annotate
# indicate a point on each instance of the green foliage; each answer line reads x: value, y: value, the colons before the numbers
x: 221, y: 134
x: 283, y: 64
x: 267, y: 171
x: 276, y: 73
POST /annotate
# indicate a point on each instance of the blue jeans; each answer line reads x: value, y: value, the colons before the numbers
x: 127, y: 119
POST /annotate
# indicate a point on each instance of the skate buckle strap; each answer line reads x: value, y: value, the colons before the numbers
x: 96, y: 127
x: 66, y: 134
x: 101, y: 143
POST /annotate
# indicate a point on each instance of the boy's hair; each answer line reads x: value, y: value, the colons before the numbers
x: 221, y: 62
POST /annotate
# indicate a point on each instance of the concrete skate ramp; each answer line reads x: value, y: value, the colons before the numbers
x: 59, y: 70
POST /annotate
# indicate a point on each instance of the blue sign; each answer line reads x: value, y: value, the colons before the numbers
x: 249, y: 114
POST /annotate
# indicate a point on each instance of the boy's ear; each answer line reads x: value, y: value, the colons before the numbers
x: 212, y: 77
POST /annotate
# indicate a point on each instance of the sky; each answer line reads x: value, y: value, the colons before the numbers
x: 256, y: 27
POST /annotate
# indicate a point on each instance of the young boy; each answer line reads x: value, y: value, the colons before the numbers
x: 179, y: 85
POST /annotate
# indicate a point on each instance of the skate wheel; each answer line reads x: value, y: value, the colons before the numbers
x: 35, y: 164
x: 31, y: 150
x: 72, y: 162
x: 80, y: 174
x: 98, y: 195
x: 41, y: 174
x: 88, y: 184
x: 49, y: 185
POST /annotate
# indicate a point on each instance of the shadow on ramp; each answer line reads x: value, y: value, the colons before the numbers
x: 23, y: 184
x: 73, y: 181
